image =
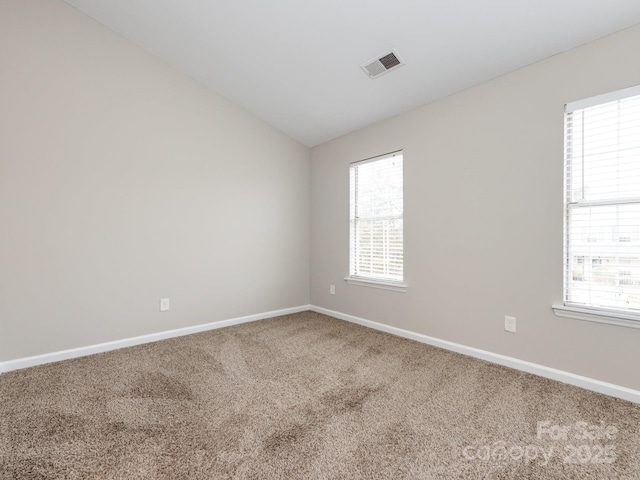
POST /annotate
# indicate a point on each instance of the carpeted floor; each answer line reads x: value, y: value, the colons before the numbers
x: 305, y: 396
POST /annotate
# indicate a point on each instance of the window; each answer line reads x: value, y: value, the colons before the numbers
x: 376, y: 247
x: 602, y: 206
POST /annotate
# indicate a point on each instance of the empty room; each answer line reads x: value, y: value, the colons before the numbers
x: 319, y: 240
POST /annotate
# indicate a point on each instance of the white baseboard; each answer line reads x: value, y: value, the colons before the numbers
x: 130, y: 342
x: 540, y: 370
x: 547, y: 372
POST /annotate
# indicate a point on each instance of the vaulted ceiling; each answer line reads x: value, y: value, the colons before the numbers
x: 296, y: 63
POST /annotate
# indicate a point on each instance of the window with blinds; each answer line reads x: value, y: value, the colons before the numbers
x: 602, y: 203
x: 376, y: 216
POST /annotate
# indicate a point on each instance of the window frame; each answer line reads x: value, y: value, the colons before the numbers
x: 365, y: 280
x: 607, y: 315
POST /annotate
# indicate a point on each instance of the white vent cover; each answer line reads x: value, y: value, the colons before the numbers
x: 382, y: 63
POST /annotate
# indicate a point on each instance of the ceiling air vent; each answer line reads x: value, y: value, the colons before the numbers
x: 382, y: 63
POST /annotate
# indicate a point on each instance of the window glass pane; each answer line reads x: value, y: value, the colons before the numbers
x: 602, y: 228
x: 376, y: 211
x: 603, y: 149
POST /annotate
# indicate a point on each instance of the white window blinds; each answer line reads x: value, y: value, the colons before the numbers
x: 376, y: 204
x: 602, y: 203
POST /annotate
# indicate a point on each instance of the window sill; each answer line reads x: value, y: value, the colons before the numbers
x: 598, y: 316
x: 366, y: 282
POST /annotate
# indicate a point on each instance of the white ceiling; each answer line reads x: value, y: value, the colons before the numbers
x: 295, y: 63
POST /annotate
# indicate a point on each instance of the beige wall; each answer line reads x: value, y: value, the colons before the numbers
x: 483, y: 216
x: 123, y: 181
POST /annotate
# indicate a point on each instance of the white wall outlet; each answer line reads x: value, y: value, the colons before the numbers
x: 332, y: 289
x: 164, y: 304
x: 510, y: 324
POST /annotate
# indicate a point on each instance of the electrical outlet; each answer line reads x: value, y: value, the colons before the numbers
x: 332, y: 289
x: 164, y: 304
x: 510, y: 324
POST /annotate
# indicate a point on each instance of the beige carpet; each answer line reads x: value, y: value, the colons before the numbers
x: 305, y: 396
